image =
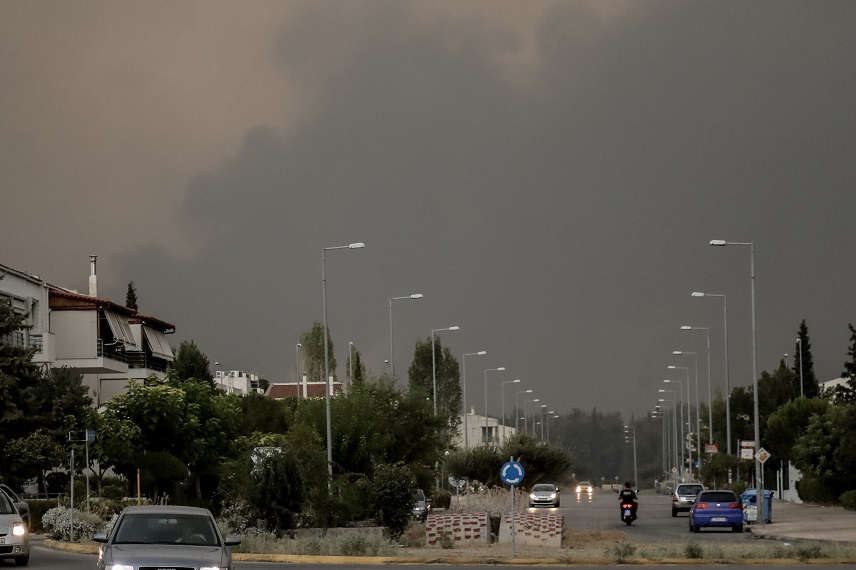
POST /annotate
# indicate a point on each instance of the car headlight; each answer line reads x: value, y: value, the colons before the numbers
x: 19, y: 529
x: 118, y: 567
x: 552, y: 495
x: 532, y: 496
x: 579, y: 489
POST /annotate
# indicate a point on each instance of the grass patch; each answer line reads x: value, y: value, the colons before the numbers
x: 353, y: 545
x: 694, y: 550
x: 621, y: 551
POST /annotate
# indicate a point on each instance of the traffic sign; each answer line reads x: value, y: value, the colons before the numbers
x: 711, y: 448
x: 511, y: 473
x: 763, y: 455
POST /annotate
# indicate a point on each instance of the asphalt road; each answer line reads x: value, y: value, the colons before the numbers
x: 599, y: 511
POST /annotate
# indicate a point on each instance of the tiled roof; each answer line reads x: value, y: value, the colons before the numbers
x: 295, y: 390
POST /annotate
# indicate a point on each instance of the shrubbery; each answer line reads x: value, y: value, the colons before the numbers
x: 57, y: 523
x: 848, y: 500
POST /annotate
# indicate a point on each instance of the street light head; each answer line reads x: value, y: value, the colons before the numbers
x: 501, y: 368
x: 516, y: 381
x: 537, y: 400
x: 299, y: 345
x: 686, y: 328
x: 357, y: 245
x: 481, y: 352
x: 678, y: 352
x: 417, y: 296
x: 697, y: 294
x: 528, y: 392
x: 671, y: 367
x: 454, y: 328
x: 717, y: 242
x: 661, y: 390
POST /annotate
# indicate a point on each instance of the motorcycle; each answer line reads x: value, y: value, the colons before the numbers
x: 626, y: 512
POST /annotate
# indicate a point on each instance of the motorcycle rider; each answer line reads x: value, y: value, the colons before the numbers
x: 628, y: 495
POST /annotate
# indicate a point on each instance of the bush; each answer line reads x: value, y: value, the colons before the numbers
x: 694, y: 550
x: 442, y: 499
x: 393, y: 497
x: 57, y: 524
x: 848, y: 500
x: 621, y: 551
x: 813, y: 490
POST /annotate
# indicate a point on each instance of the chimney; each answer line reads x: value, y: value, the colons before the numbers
x: 93, y: 280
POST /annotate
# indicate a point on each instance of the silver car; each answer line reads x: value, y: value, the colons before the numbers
x: 544, y: 495
x: 155, y: 536
x: 14, y: 536
x: 684, y: 497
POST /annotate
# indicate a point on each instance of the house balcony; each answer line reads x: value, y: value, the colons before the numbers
x: 109, y: 358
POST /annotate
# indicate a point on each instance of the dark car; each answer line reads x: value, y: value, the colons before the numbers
x: 165, y: 537
x: 544, y: 495
x: 20, y: 504
x: 716, y: 509
x: 684, y: 496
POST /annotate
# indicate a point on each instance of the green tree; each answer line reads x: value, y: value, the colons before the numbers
x: 421, y: 378
x: 358, y: 367
x: 827, y: 449
x: 803, y: 360
x: 850, y: 365
x: 393, y: 496
x: 190, y: 362
x: 131, y: 297
x: 541, y: 461
x: 33, y: 456
x: 789, y: 422
x: 313, y: 352
x: 262, y: 414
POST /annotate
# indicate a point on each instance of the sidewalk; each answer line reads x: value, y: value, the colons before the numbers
x: 792, y: 521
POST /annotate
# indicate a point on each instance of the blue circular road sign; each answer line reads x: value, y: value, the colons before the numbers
x: 511, y: 473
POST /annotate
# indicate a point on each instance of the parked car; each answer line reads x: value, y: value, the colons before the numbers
x: 421, y: 505
x: 155, y: 536
x: 684, y: 496
x: 716, y: 509
x: 14, y: 533
x: 21, y: 505
x: 544, y: 495
x: 585, y: 487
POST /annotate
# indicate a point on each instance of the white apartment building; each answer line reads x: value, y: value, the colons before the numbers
x: 475, y: 430
x: 237, y: 382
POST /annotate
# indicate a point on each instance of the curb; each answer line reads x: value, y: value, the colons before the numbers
x: 476, y: 561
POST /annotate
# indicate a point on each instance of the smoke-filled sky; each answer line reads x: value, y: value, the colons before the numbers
x: 548, y: 174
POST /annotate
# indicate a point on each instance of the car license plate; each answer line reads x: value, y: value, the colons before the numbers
x: 2, y: 541
x: 718, y: 519
x: 626, y: 512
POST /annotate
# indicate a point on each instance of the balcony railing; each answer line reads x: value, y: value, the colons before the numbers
x: 142, y: 360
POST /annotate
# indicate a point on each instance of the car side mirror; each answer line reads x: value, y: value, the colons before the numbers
x: 100, y: 537
x: 232, y: 540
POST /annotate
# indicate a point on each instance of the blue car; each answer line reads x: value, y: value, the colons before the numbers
x: 716, y: 509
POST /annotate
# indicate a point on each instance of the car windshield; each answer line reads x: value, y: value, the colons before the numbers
x: 585, y: 484
x: 718, y: 497
x: 156, y: 528
x: 690, y: 489
x: 543, y: 487
x: 418, y: 496
x: 6, y: 506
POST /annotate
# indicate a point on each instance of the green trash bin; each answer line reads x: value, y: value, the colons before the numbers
x: 749, y: 498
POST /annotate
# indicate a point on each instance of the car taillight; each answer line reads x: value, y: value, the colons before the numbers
x: 701, y: 505
x: 735, y: 506
x: 674, y: 499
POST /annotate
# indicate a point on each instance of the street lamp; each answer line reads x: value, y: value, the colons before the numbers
x: 709, y: 396
x: 551, y: 415
x: 391, y: 347
x: 466, y: 412
x: 525, y: 415
x: 680, y: 391
x: 626, y: 432
x: 501, y: 368
x: 503, y: 403
x: 727, y: 379
x: 674, y: 401
x: 758, y: 465
x: 688, y: 443
x: 434, y: 361
x: 517, y: 411
x: 697, y: 407
x: 297, y: 365
x: 543, y: 409
x: 358, y: 245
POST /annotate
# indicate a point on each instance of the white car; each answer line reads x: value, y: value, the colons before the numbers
x: 14, y: 536
x: 585, y: 487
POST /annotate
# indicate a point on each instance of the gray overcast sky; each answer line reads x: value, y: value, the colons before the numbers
x: 547, y: 174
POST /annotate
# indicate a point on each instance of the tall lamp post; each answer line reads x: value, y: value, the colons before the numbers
x: 517, y: 411
x: 727, y: 379
x: 709, y: 396
x: 434, y: 361
x: 391, y: 346
x: 466, y: 412
x: 630, y: 431
x: 297, y: 364
x: 674, y: 426
x: 688, y: 443
x: 697, y: 407
x: 658, y: 413
x: 758, y: 465
x: 500, y: 369
x: 551, y: 415
x: 525, y: 415
x: 503, y: 403
x: 357, y: 245
x: 679, y: 391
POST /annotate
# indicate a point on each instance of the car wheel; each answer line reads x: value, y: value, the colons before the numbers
x: 737, y: 528
x: 557, y: 504
x: 696, y: 528
x: 23, y: 561
x: 674, y: 512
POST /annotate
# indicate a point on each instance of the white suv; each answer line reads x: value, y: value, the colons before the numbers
x: 684, y: 497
